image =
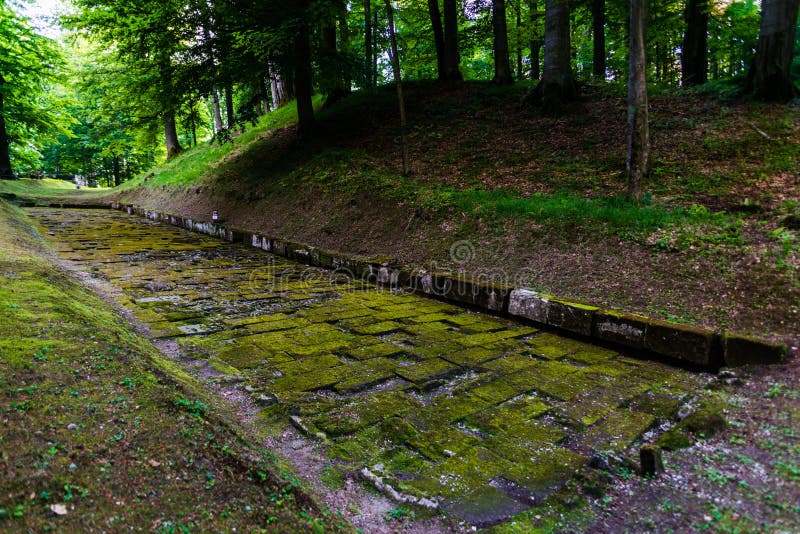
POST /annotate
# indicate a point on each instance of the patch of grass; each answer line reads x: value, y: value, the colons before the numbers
x: 198, y: 163
x: 332, y: 478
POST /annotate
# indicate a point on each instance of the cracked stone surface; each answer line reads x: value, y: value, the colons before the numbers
x: 482, y: 416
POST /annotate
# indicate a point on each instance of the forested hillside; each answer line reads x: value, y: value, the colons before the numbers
x: 130, y: 83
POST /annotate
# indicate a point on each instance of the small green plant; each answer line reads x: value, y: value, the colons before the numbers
x: 775, y: 389
x: 194, y: 407
x: 17, y: 510
x: 128, y: 382
x: 397, y: 514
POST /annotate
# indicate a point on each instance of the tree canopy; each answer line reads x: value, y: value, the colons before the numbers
x: 144, y: 73
x: 31, y: 108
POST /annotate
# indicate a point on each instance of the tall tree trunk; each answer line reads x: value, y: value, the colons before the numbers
x: 303, y: 88
x: 502, y: 70
x: 115, y: 170
x: 438, y: 36
x: 6, y: 172
x: 770, y: 73
x: 193, y: 123
x: 694, y: 52
x: 599, y: 38
x: 331, y: 59
x: 171, y: 135
x: 230, y: 116
x: 217, y: 113
x: 558, y: 85
x: 536, y: 43
x: 375, y: 51
x: 263, y: 93
x: 368, y: 61
x: 518, y: 9
x: 451, y: 56
x: 638, y: 162
x: 343, y: 47
x: 398, y: 80
x: 273, y: 86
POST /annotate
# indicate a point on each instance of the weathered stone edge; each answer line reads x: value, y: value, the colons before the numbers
x: 700, y: 346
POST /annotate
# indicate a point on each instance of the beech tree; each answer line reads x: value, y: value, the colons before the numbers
x: 558, y: 84
x: 638, y: 160
x: 502, y: 70
x: 770, y: 73
x: 28, y: 111
x: 452, y: 59
x: 694, y: 53
x: 438, y: 36
x: 148, y: 37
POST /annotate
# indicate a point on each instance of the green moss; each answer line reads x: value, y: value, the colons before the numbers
x: 620, y: 428
x: 673, y: 440
x: 546, y: 471
x: 705, y: 423
x: 427, y: 370
x: 332, y: 478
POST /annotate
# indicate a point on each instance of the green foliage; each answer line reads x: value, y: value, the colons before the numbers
x: 30, y: 64
x: 106, y: 144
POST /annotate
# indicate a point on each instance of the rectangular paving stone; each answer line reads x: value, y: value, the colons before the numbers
x: 554, y: 347
x: 427, y: 370
x: 473, y: 340
x: 236, y: 322
x: 437, y: 350
x: 377, y: 328
x: 520, y: 441
x: 374, y: 351
x: 459, y: 475
x: 307, y: 365
x: 318, y: 379
x: 545, y: 472
x: 450, y: 409
x: 365, y: 411
x: 496, y: 420
x: 612, y: 368
x: 594, y: 404
x: 510, y: 364
x: 496, y: 391
x: 484, y: 507
x: 358, y: 377
x: 472, y: 357
x: 619, y: 429
x: 442, y: 442
x: 276, y: 325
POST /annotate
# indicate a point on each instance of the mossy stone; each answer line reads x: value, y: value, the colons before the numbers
x: 673, y: 440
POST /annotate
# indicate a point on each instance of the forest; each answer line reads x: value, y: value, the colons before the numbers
x: 128, y: 84
x: 419, y: 266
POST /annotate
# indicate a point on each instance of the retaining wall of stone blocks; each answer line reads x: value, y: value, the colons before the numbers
x: 699, y: 346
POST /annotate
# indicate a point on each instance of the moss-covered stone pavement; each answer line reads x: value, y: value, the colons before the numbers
x: 479, y: 416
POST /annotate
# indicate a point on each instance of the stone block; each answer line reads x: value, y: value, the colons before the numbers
x: 622, y: 328
x: 684, y: 342
x: 571, y: 316
x: 528, y: 304
x: 743, y: 350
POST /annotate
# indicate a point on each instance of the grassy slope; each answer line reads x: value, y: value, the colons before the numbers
x: 539, y: 199
x: 94, y: 419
